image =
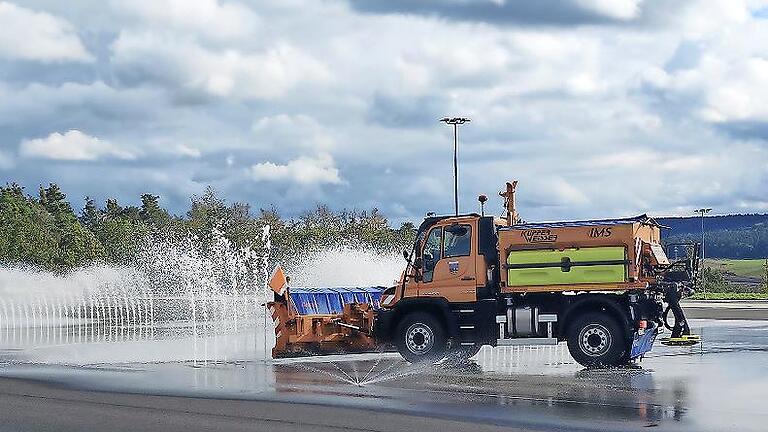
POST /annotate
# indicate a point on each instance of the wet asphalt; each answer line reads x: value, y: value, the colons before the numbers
x: 721, y: 385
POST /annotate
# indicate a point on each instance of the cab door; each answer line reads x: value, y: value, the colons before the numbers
x: 450, y: 273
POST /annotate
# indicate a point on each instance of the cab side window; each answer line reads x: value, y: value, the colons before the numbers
x: 457, y: 242
x: 431, y: 253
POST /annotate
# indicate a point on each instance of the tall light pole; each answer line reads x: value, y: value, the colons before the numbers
x: 455, y: 121
x: 703, y: 211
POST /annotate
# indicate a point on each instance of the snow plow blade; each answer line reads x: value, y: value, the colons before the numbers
x: 312, y: 321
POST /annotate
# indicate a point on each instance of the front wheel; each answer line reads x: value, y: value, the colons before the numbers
x: 596, y: 340
x: 420, y: 338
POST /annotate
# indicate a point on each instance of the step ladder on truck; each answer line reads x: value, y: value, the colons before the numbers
x: 605, y: 287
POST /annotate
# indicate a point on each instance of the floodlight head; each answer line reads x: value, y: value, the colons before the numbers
x: 455, y: 120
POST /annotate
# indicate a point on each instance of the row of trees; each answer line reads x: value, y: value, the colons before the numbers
x: 744, y: 243
x: 46, y: 232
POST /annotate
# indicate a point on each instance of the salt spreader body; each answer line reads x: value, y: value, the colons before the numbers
x: 606, y: 287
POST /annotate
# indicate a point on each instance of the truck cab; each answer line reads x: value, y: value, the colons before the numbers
x: 447, y: 260
x: 452, y: 280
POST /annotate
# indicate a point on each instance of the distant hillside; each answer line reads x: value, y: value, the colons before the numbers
x: 692, y: 224
x: 727, y: 236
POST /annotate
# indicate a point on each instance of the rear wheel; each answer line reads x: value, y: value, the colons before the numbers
x: 596, y: 340
x: 421, y: 337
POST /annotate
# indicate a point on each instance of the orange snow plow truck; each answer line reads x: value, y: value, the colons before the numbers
x: 606, y: 287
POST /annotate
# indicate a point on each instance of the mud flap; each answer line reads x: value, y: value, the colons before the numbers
x: 642, y: 343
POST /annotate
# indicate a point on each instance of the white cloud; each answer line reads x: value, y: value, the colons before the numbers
x: 741, y: 93
x: 30, y: 35
x: 431, y: 56
x: 187, y: 151
x: 6, y: 161
x: 727, y: 80
x: 298, y: 130
x: 179, y: 61
x: 660, y: 113
x: 212, y: 18
x: 304, y: 170
x: 702, y: 18
x: 619, y: 9
x: 563, y: 192
x: 43, y: 103
x: 72, y: 145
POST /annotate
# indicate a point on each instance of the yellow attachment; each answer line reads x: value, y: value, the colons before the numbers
x: 684, y: 340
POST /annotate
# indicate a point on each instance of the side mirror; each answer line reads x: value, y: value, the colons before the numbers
x: 418, y: 263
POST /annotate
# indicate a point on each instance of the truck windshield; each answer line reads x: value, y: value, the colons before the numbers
x: 457, y: 243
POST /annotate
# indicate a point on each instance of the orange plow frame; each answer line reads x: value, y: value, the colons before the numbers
x: 297, y: 334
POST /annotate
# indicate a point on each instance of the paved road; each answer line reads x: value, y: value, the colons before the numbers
x: 726, y: 309
x: 717, y: 386
x: 31, y: 406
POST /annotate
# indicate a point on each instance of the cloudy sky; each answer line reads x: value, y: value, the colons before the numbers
x: 599, y: 107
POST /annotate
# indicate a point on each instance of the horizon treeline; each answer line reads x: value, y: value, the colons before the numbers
x: 45, y: 231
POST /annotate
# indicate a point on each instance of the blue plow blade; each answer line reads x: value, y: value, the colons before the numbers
x: 329, y: 301
x: 642, y: 344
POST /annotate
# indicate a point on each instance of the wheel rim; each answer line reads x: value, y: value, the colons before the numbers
x: 594, y: 340
x: 419, y: 338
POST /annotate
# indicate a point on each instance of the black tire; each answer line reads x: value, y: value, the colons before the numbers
x: 421, y: 338
x: 596, y: 340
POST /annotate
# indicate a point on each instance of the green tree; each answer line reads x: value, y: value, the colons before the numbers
x: 112, y: 209
x: 242, y: 228
x: 76, y: 244
x: 151, y: 213
x: 122, y: 238
x: 120, y: 230
x: 26, y: 230
x: 44, y: 230
x: 404, y: 236
x: 765, y: 275
x: 713, y: 280
x: 91, y: 216
x: 208, y: 213
x: 282, y: 234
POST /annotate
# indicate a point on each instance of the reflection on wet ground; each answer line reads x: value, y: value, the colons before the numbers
x: 721, y: 385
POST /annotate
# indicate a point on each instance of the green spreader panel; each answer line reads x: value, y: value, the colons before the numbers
x: 570, y: 266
